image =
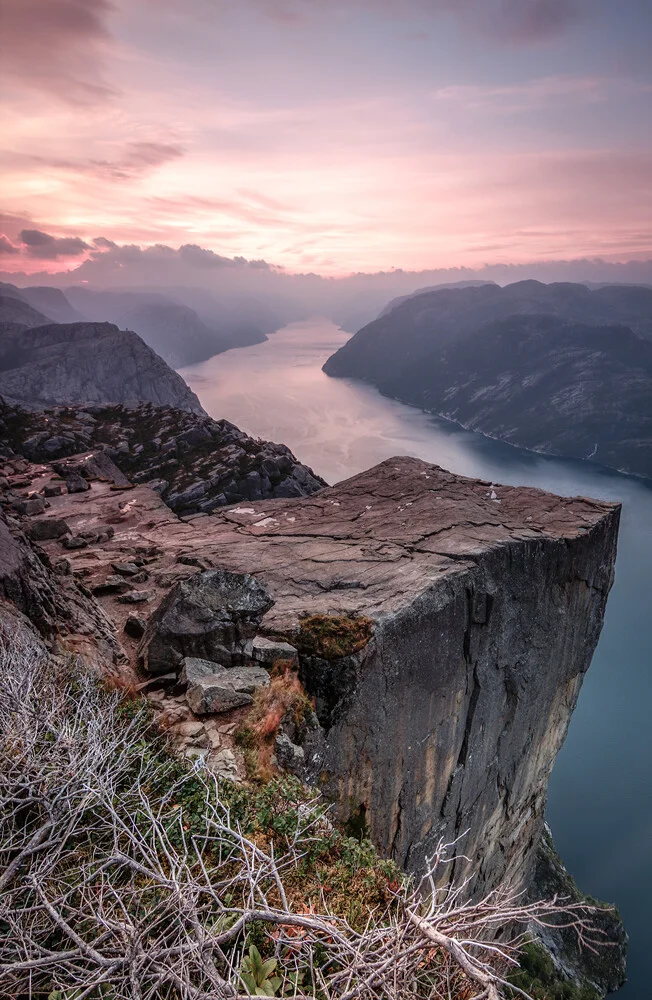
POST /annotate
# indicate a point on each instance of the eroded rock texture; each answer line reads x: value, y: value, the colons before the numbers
x: 485, y: 604
x: 194, y: 462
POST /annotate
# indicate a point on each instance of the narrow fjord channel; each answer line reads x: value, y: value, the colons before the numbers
x: 600, y: 799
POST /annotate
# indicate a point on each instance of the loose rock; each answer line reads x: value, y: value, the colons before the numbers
x: 268, y: 651
x: 47, y: 528
x: 212, y: 615
x: 135, y: 626
x: 225, y: 689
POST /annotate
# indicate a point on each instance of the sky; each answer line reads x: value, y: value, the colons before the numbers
x: 326, y: 136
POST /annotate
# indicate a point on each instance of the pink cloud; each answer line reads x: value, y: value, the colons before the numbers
x: 56, y: 46
x: 7, y: 247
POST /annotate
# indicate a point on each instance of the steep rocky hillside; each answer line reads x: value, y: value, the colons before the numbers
x: 19, y: 312
x: 85, y: 362
x: 427, y: 322
x: 540, y: 383
x: 171, y: 327
x: 193, y: 462
x: 50, y: 302
x: 560, y: 369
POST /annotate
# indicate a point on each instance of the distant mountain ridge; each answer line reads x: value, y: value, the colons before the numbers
x: 171, y: 328
x: 50, y: 302
x: 559, y: 369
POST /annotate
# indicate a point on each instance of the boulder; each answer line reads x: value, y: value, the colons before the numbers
x: 187, y: 729
x: 226, y: 689
x: 53, y: 490
x: 76, y: 484
x: 225, y: 765
x: 47, y: 528
x: 112, y: 585
x: 31, y: 506
x: 135, y: 627
x: 136, y: 597
x: 213, y: 615
x: 269, y: 651
x: 193, y: 669
x: 126, y: 568
x: 289, y: 756
x: 73, y: 542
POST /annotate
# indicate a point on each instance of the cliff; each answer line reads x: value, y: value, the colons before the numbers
x: 443, y: 626
x: 485, y: 615
x: 85, y: 363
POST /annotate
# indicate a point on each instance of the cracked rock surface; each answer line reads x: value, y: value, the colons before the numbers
x: 486, y: 603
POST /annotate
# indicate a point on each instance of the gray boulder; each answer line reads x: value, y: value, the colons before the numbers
x: 268, y: 651
x: 47, y: 528
x: 214, y: 615
x: 225, y: 689
x: 112, y: 585
x: 193, y: 669
x: 288, y: 755
x: 76, y: 484
x: 125, y: 568
x: 33, y: 505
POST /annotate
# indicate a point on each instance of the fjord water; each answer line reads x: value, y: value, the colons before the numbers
x: 600, y: 795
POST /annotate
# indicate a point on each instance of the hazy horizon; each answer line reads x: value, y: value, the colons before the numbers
x: 358, y: 135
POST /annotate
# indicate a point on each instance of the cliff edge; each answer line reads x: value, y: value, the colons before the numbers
x: 444, y: 626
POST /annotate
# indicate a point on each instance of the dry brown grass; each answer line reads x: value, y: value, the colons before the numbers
x: 284, y: 697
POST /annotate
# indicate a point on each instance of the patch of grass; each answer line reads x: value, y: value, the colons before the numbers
x: 333, y: 636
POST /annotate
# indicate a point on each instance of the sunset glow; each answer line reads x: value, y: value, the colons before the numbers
x: 328, y: 137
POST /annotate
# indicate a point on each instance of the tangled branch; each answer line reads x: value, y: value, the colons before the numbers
x: 106, y: 892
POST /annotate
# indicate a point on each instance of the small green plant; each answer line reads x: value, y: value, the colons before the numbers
x: 258, y: 975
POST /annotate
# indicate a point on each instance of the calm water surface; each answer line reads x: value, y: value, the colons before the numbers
x: 600, y: 797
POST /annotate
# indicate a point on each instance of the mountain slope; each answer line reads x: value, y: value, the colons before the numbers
x: 545, y: 384
x: 430, y: 321
x: 560, y: 369
x: 51, y: 303
x: 17, y: 311
x: 86, y: 362
x: 173, y: 329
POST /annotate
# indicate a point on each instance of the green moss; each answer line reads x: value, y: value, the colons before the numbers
x: 333, y: 636
x: 539, y: 978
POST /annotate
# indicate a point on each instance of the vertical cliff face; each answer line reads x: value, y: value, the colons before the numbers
x: 485, y: 604
x: 482, y: 606
x: 463, y: 699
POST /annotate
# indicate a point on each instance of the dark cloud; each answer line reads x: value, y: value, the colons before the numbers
x: 46, y: 247
x: 535, y: 20
x: 56, y: 46
x: 518, y: 21
x: 6, y: 246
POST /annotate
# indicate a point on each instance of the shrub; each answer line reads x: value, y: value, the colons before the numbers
x: 127, y: 873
